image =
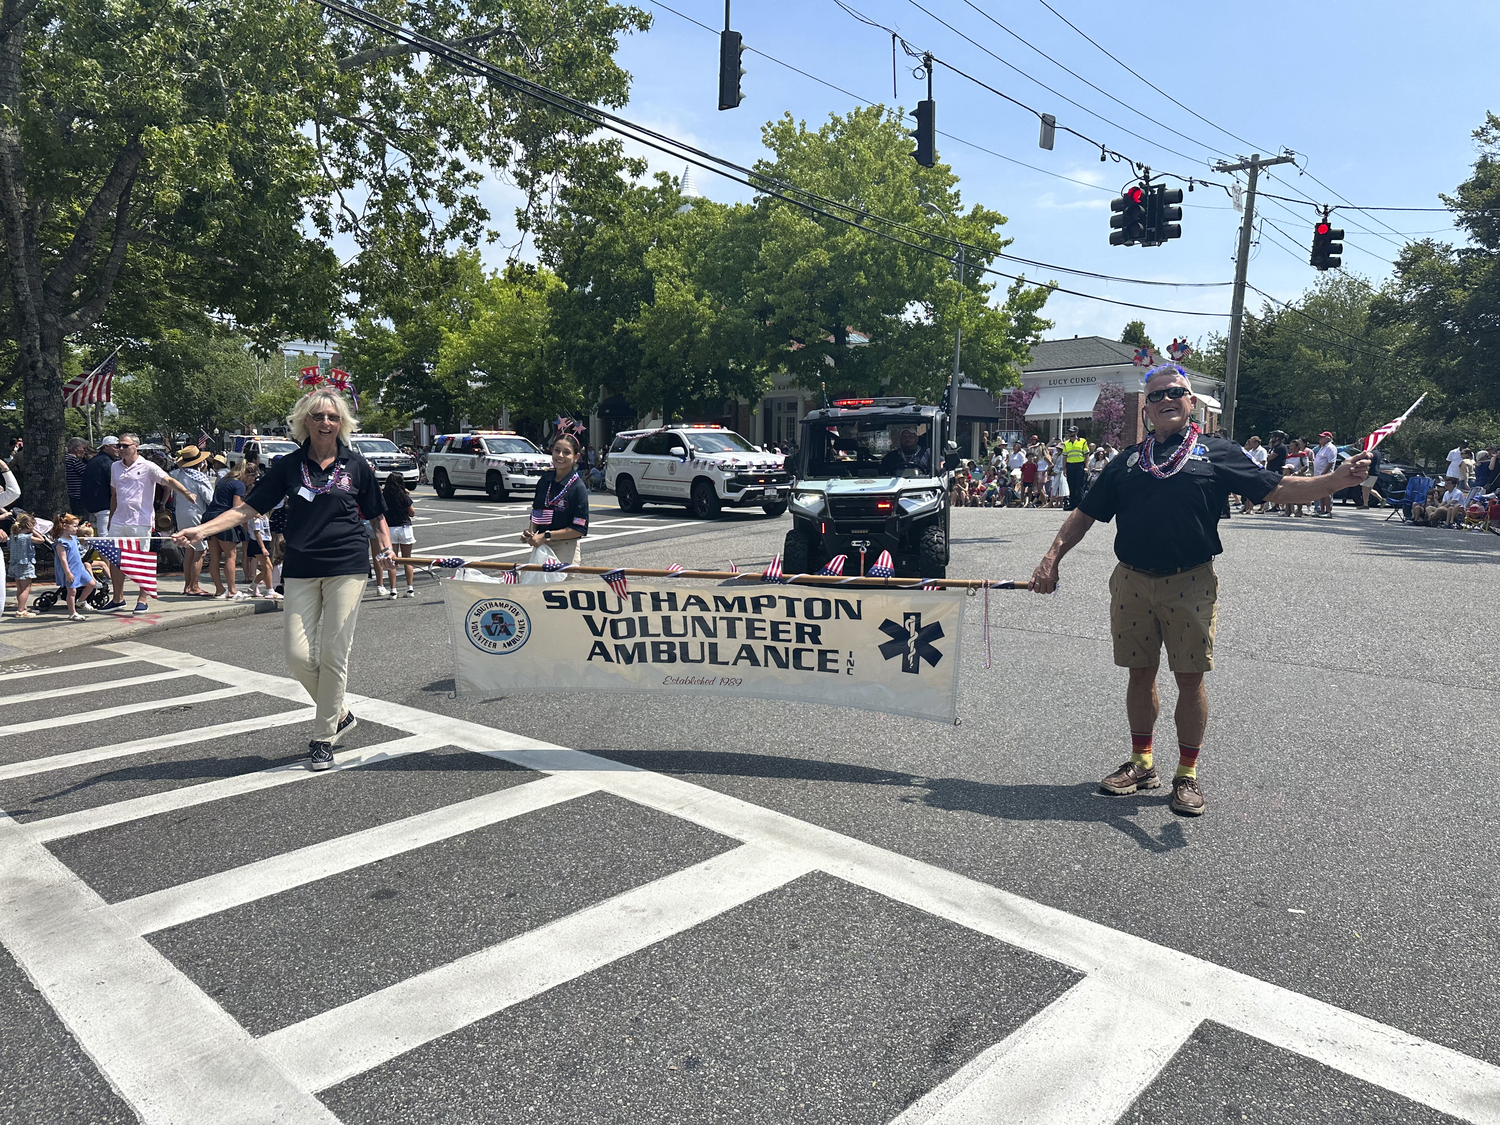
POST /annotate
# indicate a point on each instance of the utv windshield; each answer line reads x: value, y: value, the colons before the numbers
x: 868, y: 447
x: 719, y: 441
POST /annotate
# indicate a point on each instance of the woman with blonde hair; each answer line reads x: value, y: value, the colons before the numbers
x: 330, y: 491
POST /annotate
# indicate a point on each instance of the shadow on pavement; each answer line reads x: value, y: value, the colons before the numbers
x: 1081, y: 802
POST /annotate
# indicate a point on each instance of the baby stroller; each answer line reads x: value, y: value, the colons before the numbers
x: 100, y: 598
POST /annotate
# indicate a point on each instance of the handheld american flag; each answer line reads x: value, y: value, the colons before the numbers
x: 1390, y: 427
x: 96, y: 386
x: 133, y: 556
x: 615, y: 580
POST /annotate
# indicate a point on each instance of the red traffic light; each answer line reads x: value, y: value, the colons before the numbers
x: 1135, y: 194
x: 1321, y: 228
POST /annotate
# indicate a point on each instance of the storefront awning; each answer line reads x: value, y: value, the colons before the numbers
x: 1075, y: 401
x: 977, y: 404
x: 1212, y: 403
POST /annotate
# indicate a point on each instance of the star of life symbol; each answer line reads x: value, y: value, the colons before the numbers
x: 911, y: 642
x: 497, y: 625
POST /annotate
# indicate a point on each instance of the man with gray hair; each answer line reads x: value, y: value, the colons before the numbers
x: 1169, y: 493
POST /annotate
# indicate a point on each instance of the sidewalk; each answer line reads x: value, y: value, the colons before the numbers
x: 53, y: 632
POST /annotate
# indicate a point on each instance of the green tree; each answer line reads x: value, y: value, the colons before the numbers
x: 1135, y: 335
x: 162, y: 157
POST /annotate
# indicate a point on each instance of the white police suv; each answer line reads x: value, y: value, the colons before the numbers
x: 498, y: 461
x: 704, y: 467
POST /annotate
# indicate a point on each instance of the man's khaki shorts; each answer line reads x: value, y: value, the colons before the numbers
x: 1179, y: 611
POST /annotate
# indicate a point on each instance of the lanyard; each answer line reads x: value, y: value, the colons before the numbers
x: 1173, y: 464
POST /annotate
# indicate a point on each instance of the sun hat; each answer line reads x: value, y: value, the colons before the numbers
x: 190, y: 457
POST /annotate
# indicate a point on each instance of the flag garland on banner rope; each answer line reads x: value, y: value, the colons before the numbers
x: 615, y: 580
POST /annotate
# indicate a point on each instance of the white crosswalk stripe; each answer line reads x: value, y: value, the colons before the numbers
x: 1084, y: 1058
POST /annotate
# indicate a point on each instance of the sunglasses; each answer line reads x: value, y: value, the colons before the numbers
x: 325, y: 417
x: 1173, y: 393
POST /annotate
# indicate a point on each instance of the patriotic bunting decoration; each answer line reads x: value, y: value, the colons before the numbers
x: 510, y: 577
x: 96, y: 386
x: 732, y: 568
x: 133, y: 556
x: 835, y: 566
x: 450, y: 564
x: 553, y: 564
x: 1143, y: 357
x: 674, y: 568
x: 615, y: 580
x: 310, y: 376
x: 884, y: 567
x: 931, y: 586
x: 1179, y: 349
x: 1390, y: 427
x: 773, y: 572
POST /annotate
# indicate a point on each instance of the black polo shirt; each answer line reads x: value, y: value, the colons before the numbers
x: 559, y: 507
x: 325, y: 531
x: 1174, y: 523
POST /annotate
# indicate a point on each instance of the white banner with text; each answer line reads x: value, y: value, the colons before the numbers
x: 881, y: 650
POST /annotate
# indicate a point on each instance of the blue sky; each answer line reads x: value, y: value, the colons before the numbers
x: 1379, y: 99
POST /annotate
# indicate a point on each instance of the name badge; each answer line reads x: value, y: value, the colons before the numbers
x: 306, y: 493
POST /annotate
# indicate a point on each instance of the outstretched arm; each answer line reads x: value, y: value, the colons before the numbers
x: 1304, y: 490
x: 1069, y: 535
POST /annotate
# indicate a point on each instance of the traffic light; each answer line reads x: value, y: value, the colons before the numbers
x: 1327, y: 246
x: 731, y: 47
x: 1163, y: 215
x: 925, y: 153
x: 1129, y: 220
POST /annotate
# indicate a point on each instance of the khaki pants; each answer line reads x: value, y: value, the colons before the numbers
x: 1178, y: 611
x: 320, y: 617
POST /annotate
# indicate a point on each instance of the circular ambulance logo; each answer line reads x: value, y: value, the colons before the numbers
x: 497, y: 626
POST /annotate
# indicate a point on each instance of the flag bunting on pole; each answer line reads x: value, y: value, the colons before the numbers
x: 449, y: 564
x: 133, y: 556
x: 1390, y: 427
x: 884, y: 567
x: 772, y: 573
x: 835, y: 565
x: 615, y: 580
x: 732, y: 568
x: 553, y: 564
x: 96, y: 386
x: 674, y: 568
x: 510, y: 577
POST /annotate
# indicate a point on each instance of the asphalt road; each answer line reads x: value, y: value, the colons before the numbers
x: 981, y: 935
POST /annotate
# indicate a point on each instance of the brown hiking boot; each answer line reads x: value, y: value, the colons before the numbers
x: 1187, y: 798
x: 1128, y: 778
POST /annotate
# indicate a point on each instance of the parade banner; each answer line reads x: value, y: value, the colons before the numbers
x: 880, y: 650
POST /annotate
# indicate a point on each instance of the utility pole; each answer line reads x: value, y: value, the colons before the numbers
x: 1241, y: 262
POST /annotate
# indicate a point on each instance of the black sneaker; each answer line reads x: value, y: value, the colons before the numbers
x: 346, y: 724
x: 320, y: 755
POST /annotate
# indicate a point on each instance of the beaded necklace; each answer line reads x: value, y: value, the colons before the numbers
x: 554, y: 499
x: 1173, y: 464
x: 336, y: 479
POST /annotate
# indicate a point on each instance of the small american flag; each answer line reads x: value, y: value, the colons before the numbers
x: 1389, y: 428
x: 133, y: 556
x: 674, y: 568
x: 835, y: 565
x: 96, y: 386
x: 884, y: 567
x: 773, y: 572
x: 732, y: 568
x: 553, y: 564
x: 615, y: 580
x: 510, y: 577
x: 449, y: 564
x: 203, y: 440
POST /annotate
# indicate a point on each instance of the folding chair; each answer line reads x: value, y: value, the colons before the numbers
x: 1415, y: 493
x: 1477, y: 511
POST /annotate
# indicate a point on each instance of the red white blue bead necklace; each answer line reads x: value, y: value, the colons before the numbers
x: 1173, y: 464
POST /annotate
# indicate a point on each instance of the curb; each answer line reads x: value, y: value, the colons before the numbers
x: 128, y: 627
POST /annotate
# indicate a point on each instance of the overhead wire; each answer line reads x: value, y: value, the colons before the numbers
x: 759, y: 182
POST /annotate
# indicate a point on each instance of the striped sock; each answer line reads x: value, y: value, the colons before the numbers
x: 1140, y: 749
x: 1187, y: 760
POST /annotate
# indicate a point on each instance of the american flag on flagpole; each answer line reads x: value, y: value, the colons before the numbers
x: 884, y: 567
x: 615, y: 580
x: 96, y: 386
x: 133, y: 556
x: 203, y: 439
x: 1391, y: 427
x: 835, y: 566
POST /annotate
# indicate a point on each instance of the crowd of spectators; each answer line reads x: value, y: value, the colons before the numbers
x: 1020, y: 474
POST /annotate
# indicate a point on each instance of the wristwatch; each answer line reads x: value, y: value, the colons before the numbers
x: 547, y: 535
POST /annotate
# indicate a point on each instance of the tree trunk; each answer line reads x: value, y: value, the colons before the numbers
x: 44, y: 486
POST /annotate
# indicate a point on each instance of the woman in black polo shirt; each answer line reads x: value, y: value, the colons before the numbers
x: 560, y: 511
x: 330, y: 490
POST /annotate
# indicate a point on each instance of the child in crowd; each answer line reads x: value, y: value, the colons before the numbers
x: 258, y: 558
x: 278, y: 555
x: 23, y: 541
x: 72, y: 575
x: 399, y: 511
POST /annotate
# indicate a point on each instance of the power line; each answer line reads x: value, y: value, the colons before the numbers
x: 1090, y: 85
x: 1383, y: 352
x: 1132, y: 71
x: 762, y: 184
